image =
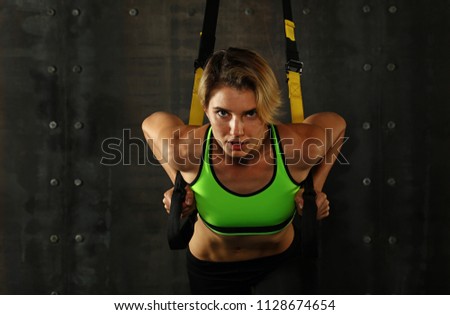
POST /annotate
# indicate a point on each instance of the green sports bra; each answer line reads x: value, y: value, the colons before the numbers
x: 266, y: 211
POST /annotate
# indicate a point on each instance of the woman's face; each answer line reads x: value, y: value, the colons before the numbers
x: 235, y: 122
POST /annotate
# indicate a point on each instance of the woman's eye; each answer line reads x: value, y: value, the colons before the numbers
x: 222, y: 113
x: 251, y: 113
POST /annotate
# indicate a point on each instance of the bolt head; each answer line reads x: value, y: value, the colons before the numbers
x: 54, y: 238
x: 133, y: 12
x: 366, y: 8
x: 76, y: 12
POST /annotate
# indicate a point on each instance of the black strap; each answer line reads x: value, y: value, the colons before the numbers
x: 292, y: 57
x: 309, y: 225
x: 179, y: 232
x: 208, y: 36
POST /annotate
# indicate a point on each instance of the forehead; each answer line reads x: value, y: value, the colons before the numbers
x: 232, y: 99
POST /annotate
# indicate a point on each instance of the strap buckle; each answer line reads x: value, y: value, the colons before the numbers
x: 294, y: 65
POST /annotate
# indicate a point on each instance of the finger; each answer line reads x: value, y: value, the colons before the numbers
x: 168, y: 194
x: 321, y: 198
x: 299, y: 199
x: 325, y: 212
x: 325, y: 207
x: 324, y: 215
x: 189, y: 198
x: 166, y: 206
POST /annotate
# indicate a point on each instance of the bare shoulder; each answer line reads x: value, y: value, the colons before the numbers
x: 305, y: 143
x: 314, y: 127
x: 162, y: 125
x: 172, y: 141
x: 298, y: 133
x: 326, y: 120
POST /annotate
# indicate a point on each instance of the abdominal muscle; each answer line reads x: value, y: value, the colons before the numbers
x: 209, y: 246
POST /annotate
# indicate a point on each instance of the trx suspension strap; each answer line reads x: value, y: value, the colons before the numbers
x: 293, y: 65
x: 308, y: 224
x: 207, y: 42
x: 180, y: 232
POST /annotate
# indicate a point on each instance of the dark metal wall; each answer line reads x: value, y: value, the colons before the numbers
x: 80, y: 197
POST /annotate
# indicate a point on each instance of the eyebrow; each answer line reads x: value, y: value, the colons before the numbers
x: 227, y: 110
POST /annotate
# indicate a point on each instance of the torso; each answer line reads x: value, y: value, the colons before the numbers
x: 210, y: 246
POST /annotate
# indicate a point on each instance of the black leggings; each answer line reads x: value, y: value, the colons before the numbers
x: 278, y: 274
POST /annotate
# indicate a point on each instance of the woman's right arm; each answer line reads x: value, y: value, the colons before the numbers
x: 161, y: 130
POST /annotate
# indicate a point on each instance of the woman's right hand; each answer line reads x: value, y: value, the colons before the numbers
x: 188, y: 203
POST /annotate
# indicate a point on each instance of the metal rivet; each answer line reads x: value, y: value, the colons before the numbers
x: 78, y: 125
x: 391, y: 124
x: 51, y: 12
x: 392, y: 240
x: 53, y: 125
x: 392, y: 9
x: 366, y: 125
x: 366, y: 8
x: 51, y: 69
x: 78, y: 182
x: 54, y: 293
x: 367, y: 181
x: 79, y: 238
x: 54, y: 182
x: 77, y: 69
x: 54, y: 238
x: 367, y: 239
x: 391, y: 66
x: 248, y: 11
x: 76, y: 12
x: 306, y: 11
x: 391, y: 181
x: 133, y: 12
x: 367, y: 67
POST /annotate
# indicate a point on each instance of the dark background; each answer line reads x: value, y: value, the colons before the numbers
x: 78, y: 77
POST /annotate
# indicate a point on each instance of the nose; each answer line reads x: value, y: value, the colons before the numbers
x: 236, y: 127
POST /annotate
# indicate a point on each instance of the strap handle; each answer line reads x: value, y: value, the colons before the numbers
x: 309, y: 225
x: 179, y: 233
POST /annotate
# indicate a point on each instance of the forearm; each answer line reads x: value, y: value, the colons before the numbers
x: 158, y: 129
x: 333, y: 126
x: 321, y: 171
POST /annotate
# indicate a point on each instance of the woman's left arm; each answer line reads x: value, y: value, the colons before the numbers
x: 333, y: 126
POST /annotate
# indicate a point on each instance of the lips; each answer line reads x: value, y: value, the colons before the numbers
x: 235, y: 145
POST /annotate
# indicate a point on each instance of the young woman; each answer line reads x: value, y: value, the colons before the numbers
x: 245, y: 170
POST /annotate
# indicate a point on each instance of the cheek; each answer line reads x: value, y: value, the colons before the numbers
x: 220, y: 130
x: 256, y: 128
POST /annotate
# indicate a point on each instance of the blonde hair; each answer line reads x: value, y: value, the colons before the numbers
x: 242, y: 69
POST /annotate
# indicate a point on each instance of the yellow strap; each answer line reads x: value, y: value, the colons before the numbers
x: 289, y: 28
x: 295, y: 90
x: 196, y: 114
x: 295, y: 97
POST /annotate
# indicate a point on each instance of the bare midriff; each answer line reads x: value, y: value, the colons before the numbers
x: 210, y: 246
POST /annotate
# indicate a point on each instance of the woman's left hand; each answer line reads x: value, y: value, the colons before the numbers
x: 322, y: 202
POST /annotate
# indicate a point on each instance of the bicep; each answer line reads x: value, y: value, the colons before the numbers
x: 159, y: 130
